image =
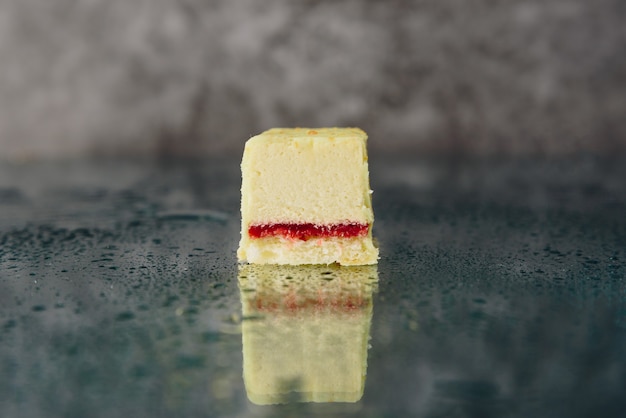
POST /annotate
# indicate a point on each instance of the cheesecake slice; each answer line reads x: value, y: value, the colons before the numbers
x: 305, y: 198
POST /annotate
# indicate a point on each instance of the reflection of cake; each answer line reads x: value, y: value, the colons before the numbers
x: 305, y: 332
x: 305, y: 198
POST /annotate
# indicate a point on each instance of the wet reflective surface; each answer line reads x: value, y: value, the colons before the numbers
x: 501, y: 291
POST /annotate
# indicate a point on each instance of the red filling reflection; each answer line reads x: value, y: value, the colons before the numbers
x: 294, y: 303
x: 307, y: 231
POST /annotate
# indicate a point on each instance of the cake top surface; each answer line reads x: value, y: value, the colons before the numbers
x: 309, y: 136
x: 293, y: 133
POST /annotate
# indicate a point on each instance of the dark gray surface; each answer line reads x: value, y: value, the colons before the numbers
x: 501, y: 290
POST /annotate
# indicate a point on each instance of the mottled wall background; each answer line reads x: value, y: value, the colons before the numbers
x: 161, y: 77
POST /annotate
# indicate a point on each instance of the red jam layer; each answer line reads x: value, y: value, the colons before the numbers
x: 305, y: 231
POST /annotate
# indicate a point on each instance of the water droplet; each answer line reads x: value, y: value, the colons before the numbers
x: 125, y: 316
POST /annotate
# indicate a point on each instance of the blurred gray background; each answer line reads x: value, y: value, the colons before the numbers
x: 197, y: 77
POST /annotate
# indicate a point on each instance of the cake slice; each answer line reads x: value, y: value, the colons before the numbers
x: 305, y: 331
x: 305, y: 198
